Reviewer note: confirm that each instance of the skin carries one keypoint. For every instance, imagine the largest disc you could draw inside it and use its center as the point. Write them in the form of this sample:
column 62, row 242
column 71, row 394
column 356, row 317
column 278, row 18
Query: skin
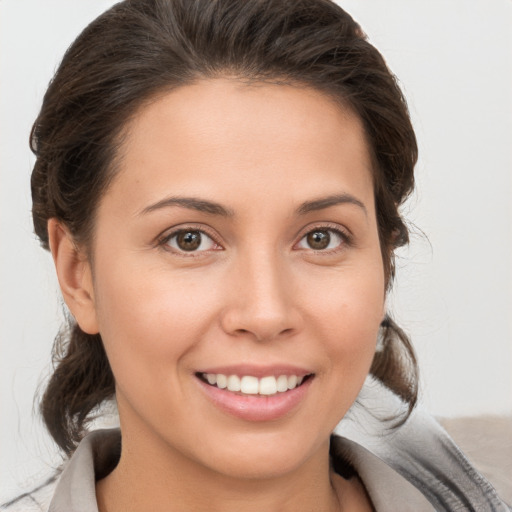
column 257, row 294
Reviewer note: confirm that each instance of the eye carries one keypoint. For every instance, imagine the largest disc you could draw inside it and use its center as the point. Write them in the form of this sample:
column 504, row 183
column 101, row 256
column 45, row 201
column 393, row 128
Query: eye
column 190, row 240
column 321, row 239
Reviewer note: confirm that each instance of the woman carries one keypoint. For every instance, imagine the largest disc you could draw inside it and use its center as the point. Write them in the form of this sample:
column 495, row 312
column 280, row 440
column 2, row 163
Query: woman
column 219, row 183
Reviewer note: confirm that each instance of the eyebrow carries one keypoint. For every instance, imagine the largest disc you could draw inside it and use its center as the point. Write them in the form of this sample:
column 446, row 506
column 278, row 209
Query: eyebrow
column 192, row 203
column 213, row 208
column 326, row 202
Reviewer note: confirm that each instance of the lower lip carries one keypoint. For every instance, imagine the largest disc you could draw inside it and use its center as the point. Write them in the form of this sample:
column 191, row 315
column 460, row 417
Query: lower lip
column 256, row 407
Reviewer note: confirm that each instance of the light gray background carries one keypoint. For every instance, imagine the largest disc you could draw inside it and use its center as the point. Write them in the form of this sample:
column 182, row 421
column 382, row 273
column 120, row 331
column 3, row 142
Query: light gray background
column 453, row 295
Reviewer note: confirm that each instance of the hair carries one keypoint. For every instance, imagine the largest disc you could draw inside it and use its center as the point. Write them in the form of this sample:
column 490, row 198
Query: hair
column 142, row 48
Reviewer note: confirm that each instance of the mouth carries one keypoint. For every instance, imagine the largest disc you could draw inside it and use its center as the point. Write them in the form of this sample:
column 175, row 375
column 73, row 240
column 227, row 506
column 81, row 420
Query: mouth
column 249, row 385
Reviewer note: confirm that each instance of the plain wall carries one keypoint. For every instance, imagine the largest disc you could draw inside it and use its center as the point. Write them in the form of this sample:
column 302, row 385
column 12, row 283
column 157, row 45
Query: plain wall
column 453, row 293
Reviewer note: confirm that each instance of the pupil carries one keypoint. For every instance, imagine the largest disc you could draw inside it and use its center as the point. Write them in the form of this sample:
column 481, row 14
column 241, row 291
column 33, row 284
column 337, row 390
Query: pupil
column 319, row 239
column 189, row 240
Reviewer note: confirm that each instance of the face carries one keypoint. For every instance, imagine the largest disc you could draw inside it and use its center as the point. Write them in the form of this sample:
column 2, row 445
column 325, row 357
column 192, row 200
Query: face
column 238, row 283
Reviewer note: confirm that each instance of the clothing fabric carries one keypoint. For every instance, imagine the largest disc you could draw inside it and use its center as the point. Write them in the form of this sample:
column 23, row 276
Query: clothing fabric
column 413, row 468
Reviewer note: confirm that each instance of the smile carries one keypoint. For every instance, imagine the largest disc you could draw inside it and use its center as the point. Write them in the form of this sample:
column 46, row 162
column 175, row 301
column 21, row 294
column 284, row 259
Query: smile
column 250, row 385
column 256, row 393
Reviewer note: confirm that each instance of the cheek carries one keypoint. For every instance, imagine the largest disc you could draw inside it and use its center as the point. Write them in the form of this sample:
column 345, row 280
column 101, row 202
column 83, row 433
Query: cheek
column 349, row 315
column 148, row 318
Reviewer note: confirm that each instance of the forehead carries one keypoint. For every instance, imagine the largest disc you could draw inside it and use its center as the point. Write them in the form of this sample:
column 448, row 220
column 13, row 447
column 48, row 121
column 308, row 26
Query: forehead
column 221, row 136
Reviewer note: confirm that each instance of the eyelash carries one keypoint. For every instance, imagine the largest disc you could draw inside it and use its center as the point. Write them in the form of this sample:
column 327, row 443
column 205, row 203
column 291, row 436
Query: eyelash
column 163, row 241
column 346, row 239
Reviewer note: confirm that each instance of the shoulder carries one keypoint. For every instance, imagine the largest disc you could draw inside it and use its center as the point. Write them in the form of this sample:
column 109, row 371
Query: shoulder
column 72, row 489
column 36, row 500
column 419, row 452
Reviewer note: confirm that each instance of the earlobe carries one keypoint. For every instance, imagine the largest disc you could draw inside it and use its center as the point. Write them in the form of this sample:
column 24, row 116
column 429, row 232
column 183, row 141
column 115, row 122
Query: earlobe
column 74, row 275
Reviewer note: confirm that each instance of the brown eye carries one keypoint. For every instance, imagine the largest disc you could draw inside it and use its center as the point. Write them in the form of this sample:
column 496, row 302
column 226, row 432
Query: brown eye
column 318, row 240
column 323, row 239
column 190, row 240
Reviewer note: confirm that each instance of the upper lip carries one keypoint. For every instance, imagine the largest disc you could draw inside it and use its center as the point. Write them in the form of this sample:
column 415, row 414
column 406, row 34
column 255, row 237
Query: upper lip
column 257, row 370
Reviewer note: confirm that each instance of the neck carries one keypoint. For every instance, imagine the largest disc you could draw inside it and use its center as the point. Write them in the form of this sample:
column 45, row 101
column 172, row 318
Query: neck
column 152, row 476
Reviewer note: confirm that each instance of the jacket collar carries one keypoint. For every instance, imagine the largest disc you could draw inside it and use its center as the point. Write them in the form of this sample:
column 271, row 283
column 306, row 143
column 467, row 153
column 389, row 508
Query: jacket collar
column 99, row 451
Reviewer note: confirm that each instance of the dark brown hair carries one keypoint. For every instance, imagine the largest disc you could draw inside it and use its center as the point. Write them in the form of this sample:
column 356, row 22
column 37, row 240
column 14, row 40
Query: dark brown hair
column 141, row 48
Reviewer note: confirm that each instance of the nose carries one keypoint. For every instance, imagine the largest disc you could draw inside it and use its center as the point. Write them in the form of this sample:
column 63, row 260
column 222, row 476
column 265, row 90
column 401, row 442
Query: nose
column 262, row 302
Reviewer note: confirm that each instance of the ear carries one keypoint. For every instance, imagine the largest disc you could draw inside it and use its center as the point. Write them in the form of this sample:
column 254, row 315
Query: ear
column 75, row 276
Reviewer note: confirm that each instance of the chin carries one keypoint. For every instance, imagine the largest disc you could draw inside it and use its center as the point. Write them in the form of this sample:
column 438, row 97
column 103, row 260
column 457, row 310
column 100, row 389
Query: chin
column 264, row 456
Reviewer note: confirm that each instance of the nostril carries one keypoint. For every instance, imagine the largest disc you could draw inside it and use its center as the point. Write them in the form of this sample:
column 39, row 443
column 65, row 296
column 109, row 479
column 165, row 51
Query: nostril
column 267, row 323
column 261, row 334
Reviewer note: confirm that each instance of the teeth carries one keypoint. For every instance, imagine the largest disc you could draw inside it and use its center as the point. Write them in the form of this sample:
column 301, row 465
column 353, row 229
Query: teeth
column 292, row 381
column 282, row 383
column 250, row 385
column 234, row 383
column 222, row 381
column 268, row 386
